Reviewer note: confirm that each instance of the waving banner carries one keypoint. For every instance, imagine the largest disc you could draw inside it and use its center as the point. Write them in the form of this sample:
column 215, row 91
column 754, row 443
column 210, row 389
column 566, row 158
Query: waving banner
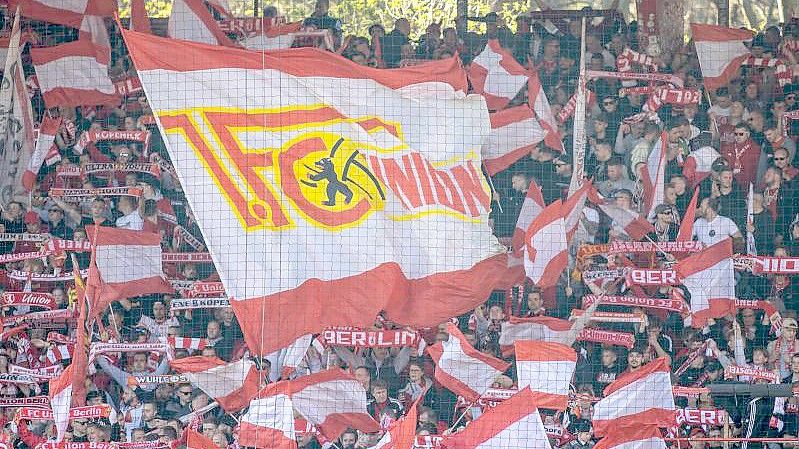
column 324, row 190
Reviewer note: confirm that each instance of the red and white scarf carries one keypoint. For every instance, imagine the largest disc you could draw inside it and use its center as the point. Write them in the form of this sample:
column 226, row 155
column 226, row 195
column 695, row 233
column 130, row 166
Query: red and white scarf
column 628, row 57
column 782, row 72
column 671, row 95
column 92, row 137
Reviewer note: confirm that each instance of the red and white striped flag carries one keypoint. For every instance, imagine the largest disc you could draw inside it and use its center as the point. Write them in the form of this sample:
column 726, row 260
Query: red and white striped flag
column 573, row 208
column 331, row 400
column 546, row 251
column 196, row 440
column 686, row 232
column 404, row 166
column 402, row 433
column 139, row 21
column 276, row 37
column 42, row 151
column 190, row 20
column 539, row 328
column 124, row 264
column 66, row 12
column 194, row 344
column 514, row 132
column 720, row 51
column 547, row 368
column 514, row 423
column 61, row 401
column 699, row 164
column 497, row 75
column 634, row 437
column 641, row 397
column 230, row 384
column 710, row 278
column 58, row 353
column 531, row 208
column 633, row 224
column 74, row 74
column 537, row 99
column 653, row 176
column 269, row 422
column 461, row 368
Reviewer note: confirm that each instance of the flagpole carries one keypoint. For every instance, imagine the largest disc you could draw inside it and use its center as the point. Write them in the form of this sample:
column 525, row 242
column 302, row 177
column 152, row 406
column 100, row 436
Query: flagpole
column 465, row 411
column 494, row 190
column 579, row 137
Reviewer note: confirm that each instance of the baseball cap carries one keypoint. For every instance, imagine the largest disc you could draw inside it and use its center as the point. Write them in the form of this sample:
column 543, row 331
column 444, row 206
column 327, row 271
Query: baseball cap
column 31, row 217
column 789, row 323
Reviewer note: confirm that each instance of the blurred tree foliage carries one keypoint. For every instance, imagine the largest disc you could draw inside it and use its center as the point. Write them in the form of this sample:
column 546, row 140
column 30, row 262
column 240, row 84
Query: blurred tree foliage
column 358, row 15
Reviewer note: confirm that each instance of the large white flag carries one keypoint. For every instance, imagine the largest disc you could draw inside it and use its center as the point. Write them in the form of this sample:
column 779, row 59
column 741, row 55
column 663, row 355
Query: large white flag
column 16, row 122
column 327, row 191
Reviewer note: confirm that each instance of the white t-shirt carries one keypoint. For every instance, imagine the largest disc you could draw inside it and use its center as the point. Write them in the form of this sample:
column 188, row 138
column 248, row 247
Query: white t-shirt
column 715, row 231
column 132, row 221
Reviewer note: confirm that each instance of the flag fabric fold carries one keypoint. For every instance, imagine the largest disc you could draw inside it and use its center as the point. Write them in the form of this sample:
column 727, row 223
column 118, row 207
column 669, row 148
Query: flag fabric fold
column 514, row 132
column 345, row 175
column 546, row 250
column 540, row 328
column 402, row 433
column 231, row 384
column 637, row 398
column 709, row 277
column 686, row 231
column 547, row 368
column 538, row 101
column 139, row 21
column 42, row 151
column 190, row 20
column 461, row 368
column 61, row 401
column 331, row 400
column 720, row 51
column 268, row 423
column 497, row 75
column 634, row 437
column 124, row 264
column 653, row 176
column 531, row 208
column 513, row 424
column 74, row 74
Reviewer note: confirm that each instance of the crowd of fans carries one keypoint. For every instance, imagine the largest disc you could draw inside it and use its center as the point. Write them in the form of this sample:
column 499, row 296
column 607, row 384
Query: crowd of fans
column 744, row 130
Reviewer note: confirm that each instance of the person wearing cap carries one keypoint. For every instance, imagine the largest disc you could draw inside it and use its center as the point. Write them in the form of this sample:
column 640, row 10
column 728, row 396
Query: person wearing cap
column 33, row 225
column 782, row 349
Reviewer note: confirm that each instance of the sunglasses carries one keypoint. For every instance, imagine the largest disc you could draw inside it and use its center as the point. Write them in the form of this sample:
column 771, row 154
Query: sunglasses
column 740, row 134
column 608, row 103
column 779, row 158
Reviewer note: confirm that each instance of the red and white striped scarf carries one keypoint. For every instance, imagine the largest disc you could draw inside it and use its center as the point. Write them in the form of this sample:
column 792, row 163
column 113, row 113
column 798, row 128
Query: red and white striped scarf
column 58, row 353
column 628, row 57
column 782, row 72
column 196, row 344
column 568, row 109
column 666, row 95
